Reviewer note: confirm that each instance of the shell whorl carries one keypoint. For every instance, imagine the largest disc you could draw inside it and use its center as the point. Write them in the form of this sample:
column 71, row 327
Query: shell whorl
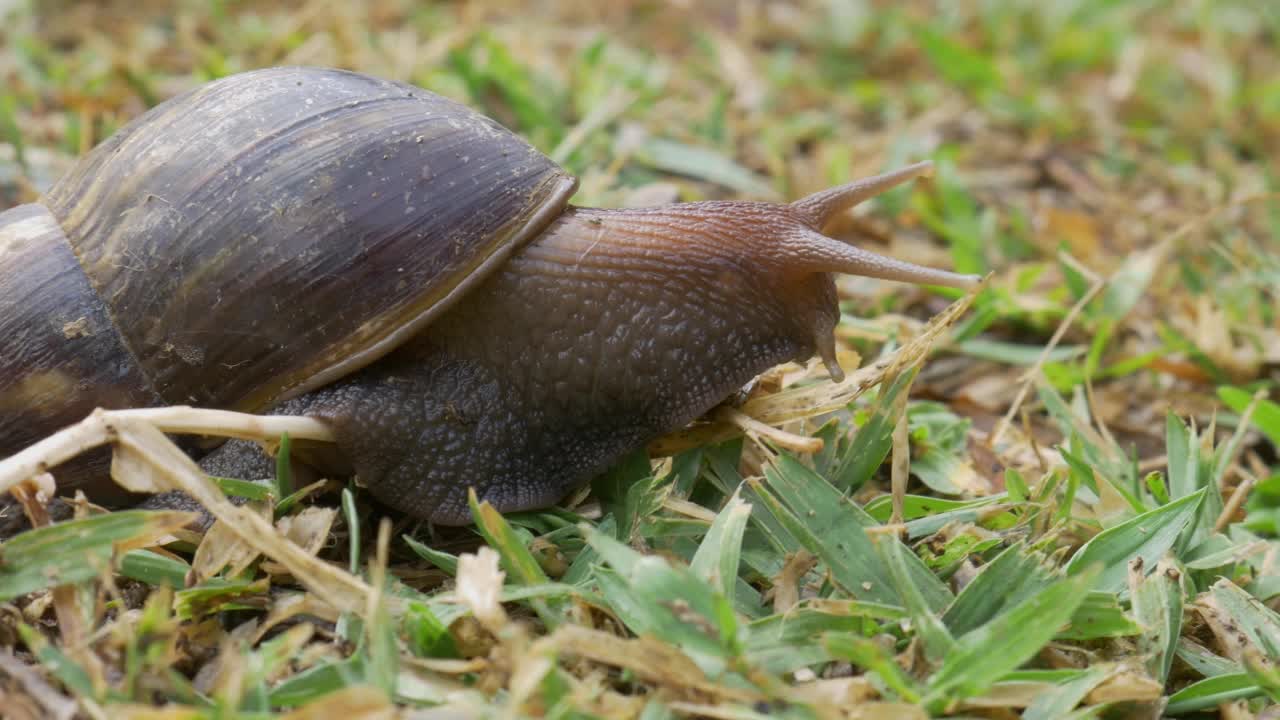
column 274, row 230
column 60, row 356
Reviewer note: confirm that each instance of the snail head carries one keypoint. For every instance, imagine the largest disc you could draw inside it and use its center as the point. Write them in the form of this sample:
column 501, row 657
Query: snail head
column 783, row 246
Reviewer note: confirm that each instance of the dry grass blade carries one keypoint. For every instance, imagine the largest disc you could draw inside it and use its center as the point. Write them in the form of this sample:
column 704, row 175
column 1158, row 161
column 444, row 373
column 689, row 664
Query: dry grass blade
column 38, row 699
column 649, row 658
column 309, row 529
column 101, row 428
column 359, row 702
column 1032, row 374
column 899, row 464
column 66, row 599
column 337, row 587
column 781, row 438
column 150, row 457
column 480, row 586
column 222, row 549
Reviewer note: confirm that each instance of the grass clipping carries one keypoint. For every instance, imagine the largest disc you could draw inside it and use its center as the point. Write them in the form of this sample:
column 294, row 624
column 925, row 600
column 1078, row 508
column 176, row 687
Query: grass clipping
column 146, row 461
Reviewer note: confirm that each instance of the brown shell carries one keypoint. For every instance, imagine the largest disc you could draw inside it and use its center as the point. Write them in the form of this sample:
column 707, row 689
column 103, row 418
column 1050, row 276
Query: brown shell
column 60, row 357
column 58, row 342
column 274, row 230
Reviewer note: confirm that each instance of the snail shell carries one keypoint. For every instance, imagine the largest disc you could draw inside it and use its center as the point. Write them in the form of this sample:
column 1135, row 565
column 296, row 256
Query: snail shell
column 254, row 238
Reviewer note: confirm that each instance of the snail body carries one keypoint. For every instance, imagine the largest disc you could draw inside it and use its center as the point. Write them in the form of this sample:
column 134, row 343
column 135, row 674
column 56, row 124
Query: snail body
column 320, row 242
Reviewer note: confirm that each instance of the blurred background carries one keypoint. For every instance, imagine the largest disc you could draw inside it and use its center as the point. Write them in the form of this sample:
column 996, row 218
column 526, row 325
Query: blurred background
column 1111, row 165
column 1120, row 148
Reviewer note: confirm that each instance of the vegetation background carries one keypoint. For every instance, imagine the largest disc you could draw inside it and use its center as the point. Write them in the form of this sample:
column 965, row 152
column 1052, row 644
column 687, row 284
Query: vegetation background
column 1084, row 452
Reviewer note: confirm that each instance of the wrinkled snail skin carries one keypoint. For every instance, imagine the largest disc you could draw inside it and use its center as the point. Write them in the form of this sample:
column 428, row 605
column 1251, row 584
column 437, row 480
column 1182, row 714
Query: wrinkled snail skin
column 319, row 242
column 610, row 329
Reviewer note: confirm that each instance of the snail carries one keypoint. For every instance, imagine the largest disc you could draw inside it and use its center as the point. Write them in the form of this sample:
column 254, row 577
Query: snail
column 322, row 242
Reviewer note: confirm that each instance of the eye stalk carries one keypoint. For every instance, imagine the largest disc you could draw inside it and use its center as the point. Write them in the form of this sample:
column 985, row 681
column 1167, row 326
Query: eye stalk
column 807, row 249
column 824, row 205
column 815, row 251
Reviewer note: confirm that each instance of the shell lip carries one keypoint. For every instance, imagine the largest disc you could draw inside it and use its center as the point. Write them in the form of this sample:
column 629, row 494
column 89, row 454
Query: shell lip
column 554, row 202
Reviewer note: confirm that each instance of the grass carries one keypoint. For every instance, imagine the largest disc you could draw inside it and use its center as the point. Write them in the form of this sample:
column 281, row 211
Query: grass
column 1060, row 498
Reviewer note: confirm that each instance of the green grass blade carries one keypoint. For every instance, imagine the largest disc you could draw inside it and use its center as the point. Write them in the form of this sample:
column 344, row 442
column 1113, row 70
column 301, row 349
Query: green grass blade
column 352, row 515
column 1148, row 536
column 654, row 597
column 717, row 558
column 441, row 559
column 319, row 680
column 247, row 489
column 426, row 634
column 1008, row 579
column 1157, row 606
column 873, row 658
column 621, row 490
column 1266, row 416
column 873, row 441
column 154, row 569
column 580, row 570
column 1204, row 661
column 58, row 663
column 1100, row 616
column 1014, row 353
column 1259, row 623
column 984, row 655
column 940, row 448
column 1183, row 453
column 788, row 641
column 218, row 595
column 849, row 557
column 77, row 550
column 1066, row 696
column 834, row 528
column 702, row 163
column 938, row 642
column 521, row 566
column 1212, row 692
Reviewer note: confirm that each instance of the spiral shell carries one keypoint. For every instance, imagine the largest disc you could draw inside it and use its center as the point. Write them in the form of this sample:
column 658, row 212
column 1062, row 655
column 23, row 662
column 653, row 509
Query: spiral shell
column 267, row 233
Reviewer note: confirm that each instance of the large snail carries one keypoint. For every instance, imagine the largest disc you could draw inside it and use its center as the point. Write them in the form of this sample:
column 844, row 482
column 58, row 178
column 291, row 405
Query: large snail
column 322, row 242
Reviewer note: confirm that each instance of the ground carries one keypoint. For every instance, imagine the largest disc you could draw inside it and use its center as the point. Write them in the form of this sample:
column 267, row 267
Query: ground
column 1058, row 496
